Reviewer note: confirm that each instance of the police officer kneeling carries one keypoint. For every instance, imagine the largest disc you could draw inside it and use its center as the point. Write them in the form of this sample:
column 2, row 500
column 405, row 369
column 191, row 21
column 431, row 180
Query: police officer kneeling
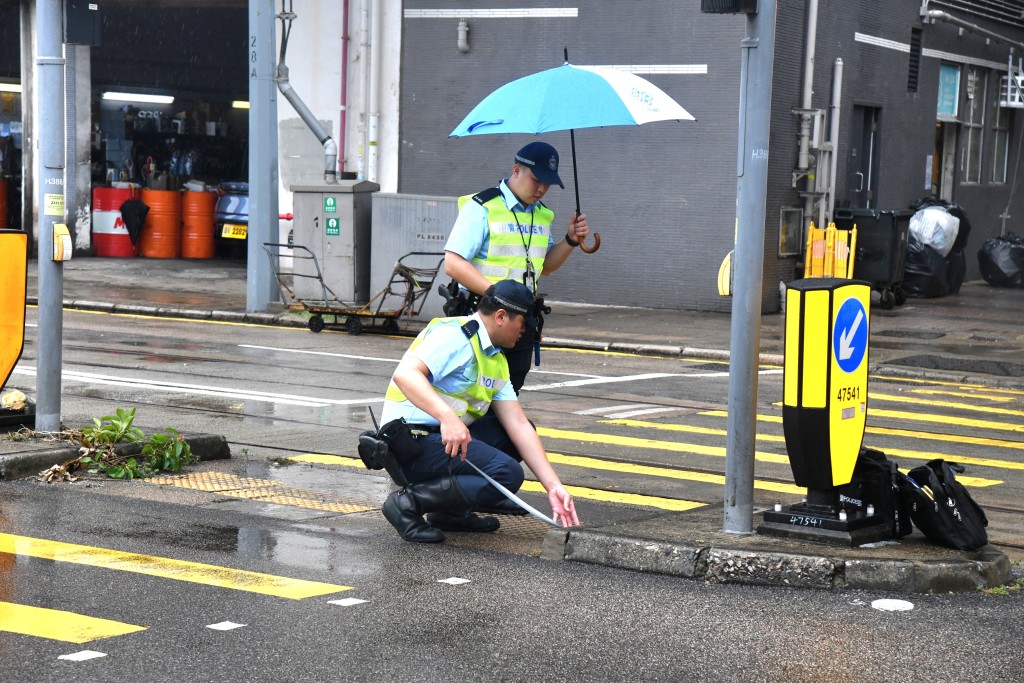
column 452, row 389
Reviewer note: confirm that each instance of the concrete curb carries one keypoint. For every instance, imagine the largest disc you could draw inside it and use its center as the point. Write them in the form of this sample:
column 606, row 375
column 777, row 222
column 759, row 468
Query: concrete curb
column 984, row 568
column 31, row 462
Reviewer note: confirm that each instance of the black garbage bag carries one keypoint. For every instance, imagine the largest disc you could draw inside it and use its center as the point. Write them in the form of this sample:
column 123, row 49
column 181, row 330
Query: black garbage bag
column 927, row 274
column 1001, row 260
column 133, row 213
column 956, row 269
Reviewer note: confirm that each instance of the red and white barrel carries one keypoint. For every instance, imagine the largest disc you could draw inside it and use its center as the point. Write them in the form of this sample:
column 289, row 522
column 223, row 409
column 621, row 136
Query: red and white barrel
column 109, row 234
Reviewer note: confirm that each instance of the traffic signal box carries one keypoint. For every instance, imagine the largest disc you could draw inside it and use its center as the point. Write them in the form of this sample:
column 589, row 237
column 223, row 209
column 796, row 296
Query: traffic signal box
column 13, row 282
column 825, row 399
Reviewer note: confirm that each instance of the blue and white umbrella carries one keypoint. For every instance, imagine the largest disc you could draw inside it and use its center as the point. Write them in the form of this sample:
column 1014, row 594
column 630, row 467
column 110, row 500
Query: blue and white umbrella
column 569, row 97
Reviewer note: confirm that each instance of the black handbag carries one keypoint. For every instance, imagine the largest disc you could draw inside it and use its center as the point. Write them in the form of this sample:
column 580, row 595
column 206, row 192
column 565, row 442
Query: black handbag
column 943, row 509
column 876, row 482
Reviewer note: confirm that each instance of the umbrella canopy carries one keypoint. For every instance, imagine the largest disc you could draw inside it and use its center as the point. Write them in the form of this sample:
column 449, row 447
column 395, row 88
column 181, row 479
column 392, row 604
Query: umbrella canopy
column 569, row 97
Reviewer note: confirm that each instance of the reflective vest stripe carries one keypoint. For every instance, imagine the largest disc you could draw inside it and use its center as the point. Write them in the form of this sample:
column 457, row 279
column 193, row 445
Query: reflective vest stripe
column 513, row 237
column 475, row 400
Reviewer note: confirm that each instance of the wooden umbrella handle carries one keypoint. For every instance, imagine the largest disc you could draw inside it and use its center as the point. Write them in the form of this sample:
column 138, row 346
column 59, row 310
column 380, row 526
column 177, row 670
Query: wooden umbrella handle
column 597, row 244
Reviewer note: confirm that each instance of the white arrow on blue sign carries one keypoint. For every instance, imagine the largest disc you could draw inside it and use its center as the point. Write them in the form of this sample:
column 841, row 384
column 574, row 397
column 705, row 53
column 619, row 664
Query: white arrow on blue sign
column 850, row 335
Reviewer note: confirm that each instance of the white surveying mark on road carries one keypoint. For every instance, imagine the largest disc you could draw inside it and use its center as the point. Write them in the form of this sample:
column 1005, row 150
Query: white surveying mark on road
column 82, row 656
column 346, row 602
column 225, row 626
column 453, row 581
column 892, row 605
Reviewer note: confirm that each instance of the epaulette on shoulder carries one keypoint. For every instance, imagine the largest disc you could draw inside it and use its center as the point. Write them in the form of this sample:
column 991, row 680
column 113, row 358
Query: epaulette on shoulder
column 470, row 328
column 484, row 196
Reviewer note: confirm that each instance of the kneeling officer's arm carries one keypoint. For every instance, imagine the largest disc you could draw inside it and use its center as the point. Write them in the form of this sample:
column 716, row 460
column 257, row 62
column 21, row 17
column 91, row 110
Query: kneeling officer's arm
column 411, row 377
column 525, row 438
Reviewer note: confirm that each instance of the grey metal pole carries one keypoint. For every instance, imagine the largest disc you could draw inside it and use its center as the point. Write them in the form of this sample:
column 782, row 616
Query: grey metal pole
column 261, row 287
column 757, row 56
column 50, row 126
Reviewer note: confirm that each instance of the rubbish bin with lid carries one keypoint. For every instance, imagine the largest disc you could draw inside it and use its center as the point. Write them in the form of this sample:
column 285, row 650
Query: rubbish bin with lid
column 881, row 254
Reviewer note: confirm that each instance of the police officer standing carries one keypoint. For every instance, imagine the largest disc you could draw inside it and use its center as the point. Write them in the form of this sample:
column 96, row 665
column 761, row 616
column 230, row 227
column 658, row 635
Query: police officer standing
column 504, row 232
column 452, row 397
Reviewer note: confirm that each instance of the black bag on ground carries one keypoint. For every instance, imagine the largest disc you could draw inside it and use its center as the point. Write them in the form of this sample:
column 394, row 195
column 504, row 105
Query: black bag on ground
column 943, row 509
column 876, row 481
column 1001, row 261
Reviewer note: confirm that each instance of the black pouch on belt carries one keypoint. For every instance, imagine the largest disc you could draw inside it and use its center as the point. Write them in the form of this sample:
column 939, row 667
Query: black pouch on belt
column 399, row 437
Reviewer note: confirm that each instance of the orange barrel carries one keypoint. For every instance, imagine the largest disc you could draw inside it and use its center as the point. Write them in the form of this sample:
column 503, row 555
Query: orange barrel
column 3, row 204
column 161, row 233
column 109, row 234
column 197, row 224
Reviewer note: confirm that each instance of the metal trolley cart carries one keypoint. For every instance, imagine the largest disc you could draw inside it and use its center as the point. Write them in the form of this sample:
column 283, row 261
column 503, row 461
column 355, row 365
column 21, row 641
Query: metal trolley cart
column 404, row 294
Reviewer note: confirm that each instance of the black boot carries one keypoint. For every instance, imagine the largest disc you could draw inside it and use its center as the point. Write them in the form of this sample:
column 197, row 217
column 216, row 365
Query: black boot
column 446, row 520
column 405, row 508
column 502, row 507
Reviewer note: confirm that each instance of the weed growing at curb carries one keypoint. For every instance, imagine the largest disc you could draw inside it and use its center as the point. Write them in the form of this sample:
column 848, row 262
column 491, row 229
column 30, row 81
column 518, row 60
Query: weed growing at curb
column 161, row 452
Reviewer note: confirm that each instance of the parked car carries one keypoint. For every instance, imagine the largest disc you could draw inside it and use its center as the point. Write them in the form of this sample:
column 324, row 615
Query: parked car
column 231, row 221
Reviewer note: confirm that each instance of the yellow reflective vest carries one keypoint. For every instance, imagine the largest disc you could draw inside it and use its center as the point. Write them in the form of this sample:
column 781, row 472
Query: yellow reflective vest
column 513, row 236
column 474, row 399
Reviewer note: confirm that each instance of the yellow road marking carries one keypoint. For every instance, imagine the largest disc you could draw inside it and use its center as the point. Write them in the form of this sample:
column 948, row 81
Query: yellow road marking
column 325, row 459
column 946, row 404
column 961, row 385
column 633, row 442
column 167, row 568
column 916, row 455
column 667, row 472
column 903, row 415
column 55, row 624
column 673, row 504
column 962, row 394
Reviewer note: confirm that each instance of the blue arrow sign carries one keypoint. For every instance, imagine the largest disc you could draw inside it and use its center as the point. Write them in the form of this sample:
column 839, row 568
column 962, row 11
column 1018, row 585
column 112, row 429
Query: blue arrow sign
column 850, row 335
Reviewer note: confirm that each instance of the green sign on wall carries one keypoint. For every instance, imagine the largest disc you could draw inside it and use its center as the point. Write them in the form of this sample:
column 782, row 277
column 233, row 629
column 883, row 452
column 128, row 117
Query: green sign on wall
column 330, row 205
column 333, row 227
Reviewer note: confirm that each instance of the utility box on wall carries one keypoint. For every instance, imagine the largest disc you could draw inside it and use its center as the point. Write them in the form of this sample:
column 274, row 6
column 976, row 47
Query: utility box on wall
column 334, row 222
column 411, row 224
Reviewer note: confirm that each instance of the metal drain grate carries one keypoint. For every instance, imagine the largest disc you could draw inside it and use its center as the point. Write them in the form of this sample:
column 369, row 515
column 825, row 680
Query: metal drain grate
column 966, row 365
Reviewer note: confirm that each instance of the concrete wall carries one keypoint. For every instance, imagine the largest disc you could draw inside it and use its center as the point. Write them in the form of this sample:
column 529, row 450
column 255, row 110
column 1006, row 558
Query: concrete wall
column 661, row 195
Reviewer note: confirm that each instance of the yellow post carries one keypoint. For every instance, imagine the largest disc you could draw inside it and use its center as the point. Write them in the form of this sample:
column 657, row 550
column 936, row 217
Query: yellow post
column 809, row 250
column 830, row 250
column 853, row 251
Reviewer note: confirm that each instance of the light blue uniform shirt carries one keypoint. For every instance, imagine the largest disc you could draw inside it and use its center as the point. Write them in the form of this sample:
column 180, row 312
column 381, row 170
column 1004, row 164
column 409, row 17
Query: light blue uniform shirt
column 471, row 234
column 448, row 355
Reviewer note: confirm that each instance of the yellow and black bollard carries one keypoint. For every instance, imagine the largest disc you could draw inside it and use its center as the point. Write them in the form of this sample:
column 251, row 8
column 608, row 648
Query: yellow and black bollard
column 825, row 400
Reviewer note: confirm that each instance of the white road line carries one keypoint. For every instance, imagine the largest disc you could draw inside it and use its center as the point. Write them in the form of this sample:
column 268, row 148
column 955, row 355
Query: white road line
column 601, row 380
column 205, row 390
column 602, row 409
column 634, row 413
column 317, row 353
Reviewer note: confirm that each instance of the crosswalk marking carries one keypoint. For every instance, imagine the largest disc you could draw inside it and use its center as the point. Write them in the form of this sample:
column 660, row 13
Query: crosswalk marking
column 54, row 624
column 945, row 404
column 917, row 417
column 581, row 492
column 168, row 568
column 635, row 442
column 666, row 472
column 914, row 455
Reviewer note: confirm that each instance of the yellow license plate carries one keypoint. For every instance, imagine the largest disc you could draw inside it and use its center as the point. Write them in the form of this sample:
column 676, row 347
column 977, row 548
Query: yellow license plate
column 234, row 231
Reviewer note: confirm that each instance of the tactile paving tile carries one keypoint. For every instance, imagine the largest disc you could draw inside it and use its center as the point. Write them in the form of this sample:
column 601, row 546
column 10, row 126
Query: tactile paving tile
column 262, row 490
column 210, row 481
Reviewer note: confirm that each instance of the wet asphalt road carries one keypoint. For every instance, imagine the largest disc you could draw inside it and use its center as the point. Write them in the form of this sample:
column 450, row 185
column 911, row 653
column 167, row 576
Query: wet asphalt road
column 277, row 392
column 517, row 619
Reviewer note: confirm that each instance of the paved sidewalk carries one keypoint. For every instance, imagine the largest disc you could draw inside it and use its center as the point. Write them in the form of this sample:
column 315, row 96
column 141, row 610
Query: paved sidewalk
column 975, row 336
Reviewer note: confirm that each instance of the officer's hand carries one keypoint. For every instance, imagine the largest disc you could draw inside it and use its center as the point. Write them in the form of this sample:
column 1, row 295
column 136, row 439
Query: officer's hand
column 455, row 437
column 563, row 507
column 578, row 229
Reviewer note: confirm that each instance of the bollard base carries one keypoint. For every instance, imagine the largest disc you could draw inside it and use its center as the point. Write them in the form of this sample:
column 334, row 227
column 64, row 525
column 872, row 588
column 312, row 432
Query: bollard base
column 821, row 523
column 25, row 417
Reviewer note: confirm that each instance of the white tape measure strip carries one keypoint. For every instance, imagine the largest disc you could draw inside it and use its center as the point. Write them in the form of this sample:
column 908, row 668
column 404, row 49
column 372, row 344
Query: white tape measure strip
column 514, row 498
